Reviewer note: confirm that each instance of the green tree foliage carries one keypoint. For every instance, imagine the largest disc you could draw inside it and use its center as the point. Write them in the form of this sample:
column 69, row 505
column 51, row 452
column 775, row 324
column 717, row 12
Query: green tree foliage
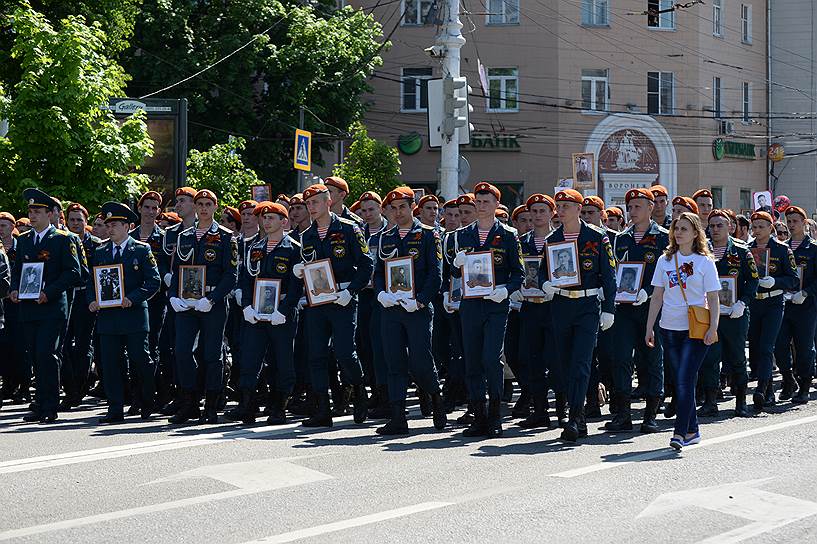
column 313, row 55
column 222, row 170
column 59, row 139
column 370, row 165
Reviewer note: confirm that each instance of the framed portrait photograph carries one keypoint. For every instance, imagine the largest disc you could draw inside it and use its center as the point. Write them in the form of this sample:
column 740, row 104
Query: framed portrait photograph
column 584, row 171
column 109, row 285
column 563, row 264
column 762, row 201
column 261, row 193
column 400, row 277
column 454, row 293
column 761, row 255
column 530, row 281
column 192, row 282
column 266, row 296
column 418, row 194
column 478, row 275
column 31, row 281
column 728, row 293
column 319, row 281
column 629, row 276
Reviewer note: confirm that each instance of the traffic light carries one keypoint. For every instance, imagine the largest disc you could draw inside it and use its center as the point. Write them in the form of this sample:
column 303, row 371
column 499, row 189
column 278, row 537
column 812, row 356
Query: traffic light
column 456, row 108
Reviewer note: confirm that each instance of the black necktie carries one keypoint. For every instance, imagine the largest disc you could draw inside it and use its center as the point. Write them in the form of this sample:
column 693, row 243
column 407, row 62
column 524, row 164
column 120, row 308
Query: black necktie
column 116, row 250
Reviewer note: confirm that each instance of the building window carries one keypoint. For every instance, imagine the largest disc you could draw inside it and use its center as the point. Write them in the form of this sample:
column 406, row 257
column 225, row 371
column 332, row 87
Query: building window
column 745, row 200
column 503, row 89
column 717, row 197
column 717, row 17
column 660, row 93
column 747, row 103
column 746, row 23
column 594, row 90
column 595, row 12
column 716, row 97
column 661, row 14
column 414, row 89
column 503, row 12
column 416, row 12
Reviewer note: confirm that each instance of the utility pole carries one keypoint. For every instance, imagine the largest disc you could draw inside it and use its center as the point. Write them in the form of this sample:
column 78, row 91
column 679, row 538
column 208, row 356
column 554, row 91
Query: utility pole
column 450, row 40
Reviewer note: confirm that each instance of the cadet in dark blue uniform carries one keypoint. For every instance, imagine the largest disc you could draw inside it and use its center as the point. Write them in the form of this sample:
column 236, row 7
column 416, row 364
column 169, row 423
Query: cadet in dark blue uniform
column 732, row 259
column 766, row 310
column 212, row 246
column 800, row 318
column 644, row 241
column 484, row 319
column 271, row 256
column 454, row 391
column 342, row 242
column 124, row 328
column 575, row 309
column 338, row 191
column 659, row 211
column 407, row 314
column 43, row 317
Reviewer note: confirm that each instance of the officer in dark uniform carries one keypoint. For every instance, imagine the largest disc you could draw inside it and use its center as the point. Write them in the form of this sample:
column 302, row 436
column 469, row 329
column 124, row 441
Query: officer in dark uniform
column 406, row 321
column 125, row 328
column 766, row 310
column 43, row 319
column 212, row 246
column 575, row 309
column 342, row 242
column 484, row 319
column 800, row 317
column 644, row 241
column 270, row 256
column 736, row 261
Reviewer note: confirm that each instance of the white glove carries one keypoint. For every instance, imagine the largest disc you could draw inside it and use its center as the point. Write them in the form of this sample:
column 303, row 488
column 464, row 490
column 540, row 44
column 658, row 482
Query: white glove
column 409, row 304
column 737, row 310
column 498, row 295
column 167, row 278
column 601, row 295
column 277, row 318
column 250, row 315
column 386, row 300
column 548, row 297
column 344, row 298
column 298, row 270
column 516, row 296
column 641, row 298
column 447, row 304
column 607, row 320
column 178, row 305
column 548, row 288
column 302, row 303
column 767, row 282
column 238, row 296
column 204, row 305
column 799, row 297
column 459, row 259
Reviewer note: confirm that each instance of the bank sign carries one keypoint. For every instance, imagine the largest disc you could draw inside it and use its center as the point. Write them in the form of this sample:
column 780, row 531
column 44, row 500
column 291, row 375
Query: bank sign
column 493, row 142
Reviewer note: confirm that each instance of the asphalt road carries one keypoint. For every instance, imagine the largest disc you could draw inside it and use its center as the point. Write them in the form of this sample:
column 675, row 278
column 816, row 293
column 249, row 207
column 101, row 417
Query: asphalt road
column 750, row 480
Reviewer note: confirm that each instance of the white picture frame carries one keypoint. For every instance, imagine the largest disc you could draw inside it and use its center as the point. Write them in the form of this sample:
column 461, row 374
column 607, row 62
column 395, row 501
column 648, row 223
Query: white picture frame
column 762, row 201
column 530, row 277
column 629, row 278
column 563, row 264
column 109, row 285
column 478, row 275
column 31, row 281
column 728, row 293
column 266, row 297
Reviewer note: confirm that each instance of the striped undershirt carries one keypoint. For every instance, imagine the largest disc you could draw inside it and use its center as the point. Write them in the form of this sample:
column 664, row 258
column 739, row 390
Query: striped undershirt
column 143, row 236
column 795, row 244
column 483, row 235
column 539, row 242
column 571, row 237
column 271, row 244
column 638, row 236
column 718, row 252
column 761, row 246
column 322, row 232
column 403, row 232
column 200, row 233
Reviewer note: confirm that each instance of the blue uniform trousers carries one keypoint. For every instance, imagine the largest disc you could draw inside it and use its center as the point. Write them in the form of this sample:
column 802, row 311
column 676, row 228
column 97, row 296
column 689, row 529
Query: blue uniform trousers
column 336, row 323
column 142, row 368
column 483, row 332
column 79, row 348
column 42, row 340
column 210, row 328
column 375, row 331
column 273, row 344
column 575, row 326
column 456, row 365
column 512, row 352
column 300, row 357
column 729, row 350
column 536, row 341
column 797, row 328
column 440, row 337
column 363, row 339
column 764, row 326
column 409, row 339
column 627, row 336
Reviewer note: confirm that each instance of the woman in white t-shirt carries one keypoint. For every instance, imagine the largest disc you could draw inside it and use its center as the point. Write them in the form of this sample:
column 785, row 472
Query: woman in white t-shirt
column 696, row 272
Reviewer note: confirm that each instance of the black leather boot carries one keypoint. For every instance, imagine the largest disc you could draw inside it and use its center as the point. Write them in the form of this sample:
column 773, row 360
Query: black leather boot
column 740, row 402
column 759, row 397
column 494, row 419
column 307, row 407
column 523, row 404
column 576, row 427
column 382, row 410
column 789, row 385
column 468, row 417
column 397, row 425
column 425, row 402
column 770, row 399
column 478, row 427
column 438, row 411
column 360, row 403
column 591, row 406
column 340, row 400
column 245, row 411
column 210, row 414
column 277, row 408
column 561, row 409
column 539, row 418
column 649, row 425
column 623, row 420
column 188, row 408
column 710, row 405
column 803, row 391
column 322, row 416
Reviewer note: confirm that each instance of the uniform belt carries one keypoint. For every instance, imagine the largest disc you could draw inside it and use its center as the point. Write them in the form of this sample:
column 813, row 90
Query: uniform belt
column 770, row 294
column 344, row 285
column 210, row 289
column 536, row 300
column 578, row 294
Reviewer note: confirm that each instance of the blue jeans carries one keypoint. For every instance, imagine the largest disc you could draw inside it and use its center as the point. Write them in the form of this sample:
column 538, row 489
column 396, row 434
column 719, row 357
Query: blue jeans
column 685, row 357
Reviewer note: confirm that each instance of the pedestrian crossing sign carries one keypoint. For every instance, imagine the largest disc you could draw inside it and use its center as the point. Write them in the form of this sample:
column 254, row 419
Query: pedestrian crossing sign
column 303, row 150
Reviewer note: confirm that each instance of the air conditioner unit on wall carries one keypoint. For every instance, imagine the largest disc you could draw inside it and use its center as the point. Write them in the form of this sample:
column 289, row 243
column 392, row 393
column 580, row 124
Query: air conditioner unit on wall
column 726, row 128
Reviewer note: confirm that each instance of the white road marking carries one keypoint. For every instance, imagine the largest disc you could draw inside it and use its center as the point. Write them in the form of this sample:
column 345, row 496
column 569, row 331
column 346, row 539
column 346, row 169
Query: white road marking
column 249, row 477
column 299, row 534
column 635, row 458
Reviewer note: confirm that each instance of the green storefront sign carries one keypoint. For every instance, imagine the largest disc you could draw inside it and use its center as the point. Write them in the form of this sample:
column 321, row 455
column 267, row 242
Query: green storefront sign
column 737, row 150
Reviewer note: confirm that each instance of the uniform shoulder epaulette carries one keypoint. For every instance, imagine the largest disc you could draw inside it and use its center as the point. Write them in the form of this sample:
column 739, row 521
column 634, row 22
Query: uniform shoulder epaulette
column 597, row 229
column 191, row 228
column 509, row 228
column 224, row 230
column 62, row 232
column 95, row 239
column 105, row 245
column 348, row 221
column 426, row 227
column 661, row 229
column 140, row 243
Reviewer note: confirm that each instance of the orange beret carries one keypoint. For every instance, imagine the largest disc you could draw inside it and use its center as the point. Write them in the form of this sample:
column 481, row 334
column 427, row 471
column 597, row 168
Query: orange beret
column 501, row 213
column 283, row 197
column 485, row 187
column 23, row 221
column 539, row 198
column 313, row 190
column 77, row 207
column 400, row 193
column 370, row 195
column 796, row 210
column 8, row 217
column 297, row 199
column 614, row 210
column 186, row 191
column 335, row 181
column 271, row 207
column 416, row 211
column 659, row 190
column 686, row 202
column 569, row 195
column 208, row 194
column 172, row 217
column 427, row 198
column 247, row 204
column 719, row 213
column 150, row 195
column 594, row 201
column 519, row 209
column 639, row 193
column 89, row 228
column 451, row 203
column 467, row 198
column 701, row 193
column 232, row 212
column 355, row 206
column 765, row 216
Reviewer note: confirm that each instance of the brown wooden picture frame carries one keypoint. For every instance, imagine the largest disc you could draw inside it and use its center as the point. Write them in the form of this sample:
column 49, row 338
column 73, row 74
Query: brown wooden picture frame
column 476, row 290
column 582, row 185
column 117, row 302
column 527, row 291
column 627, row 297
column 186, row 269
column 400, row 262
column 322, row 297
column 555, row 280
column 258, row 286
column 255, row 189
